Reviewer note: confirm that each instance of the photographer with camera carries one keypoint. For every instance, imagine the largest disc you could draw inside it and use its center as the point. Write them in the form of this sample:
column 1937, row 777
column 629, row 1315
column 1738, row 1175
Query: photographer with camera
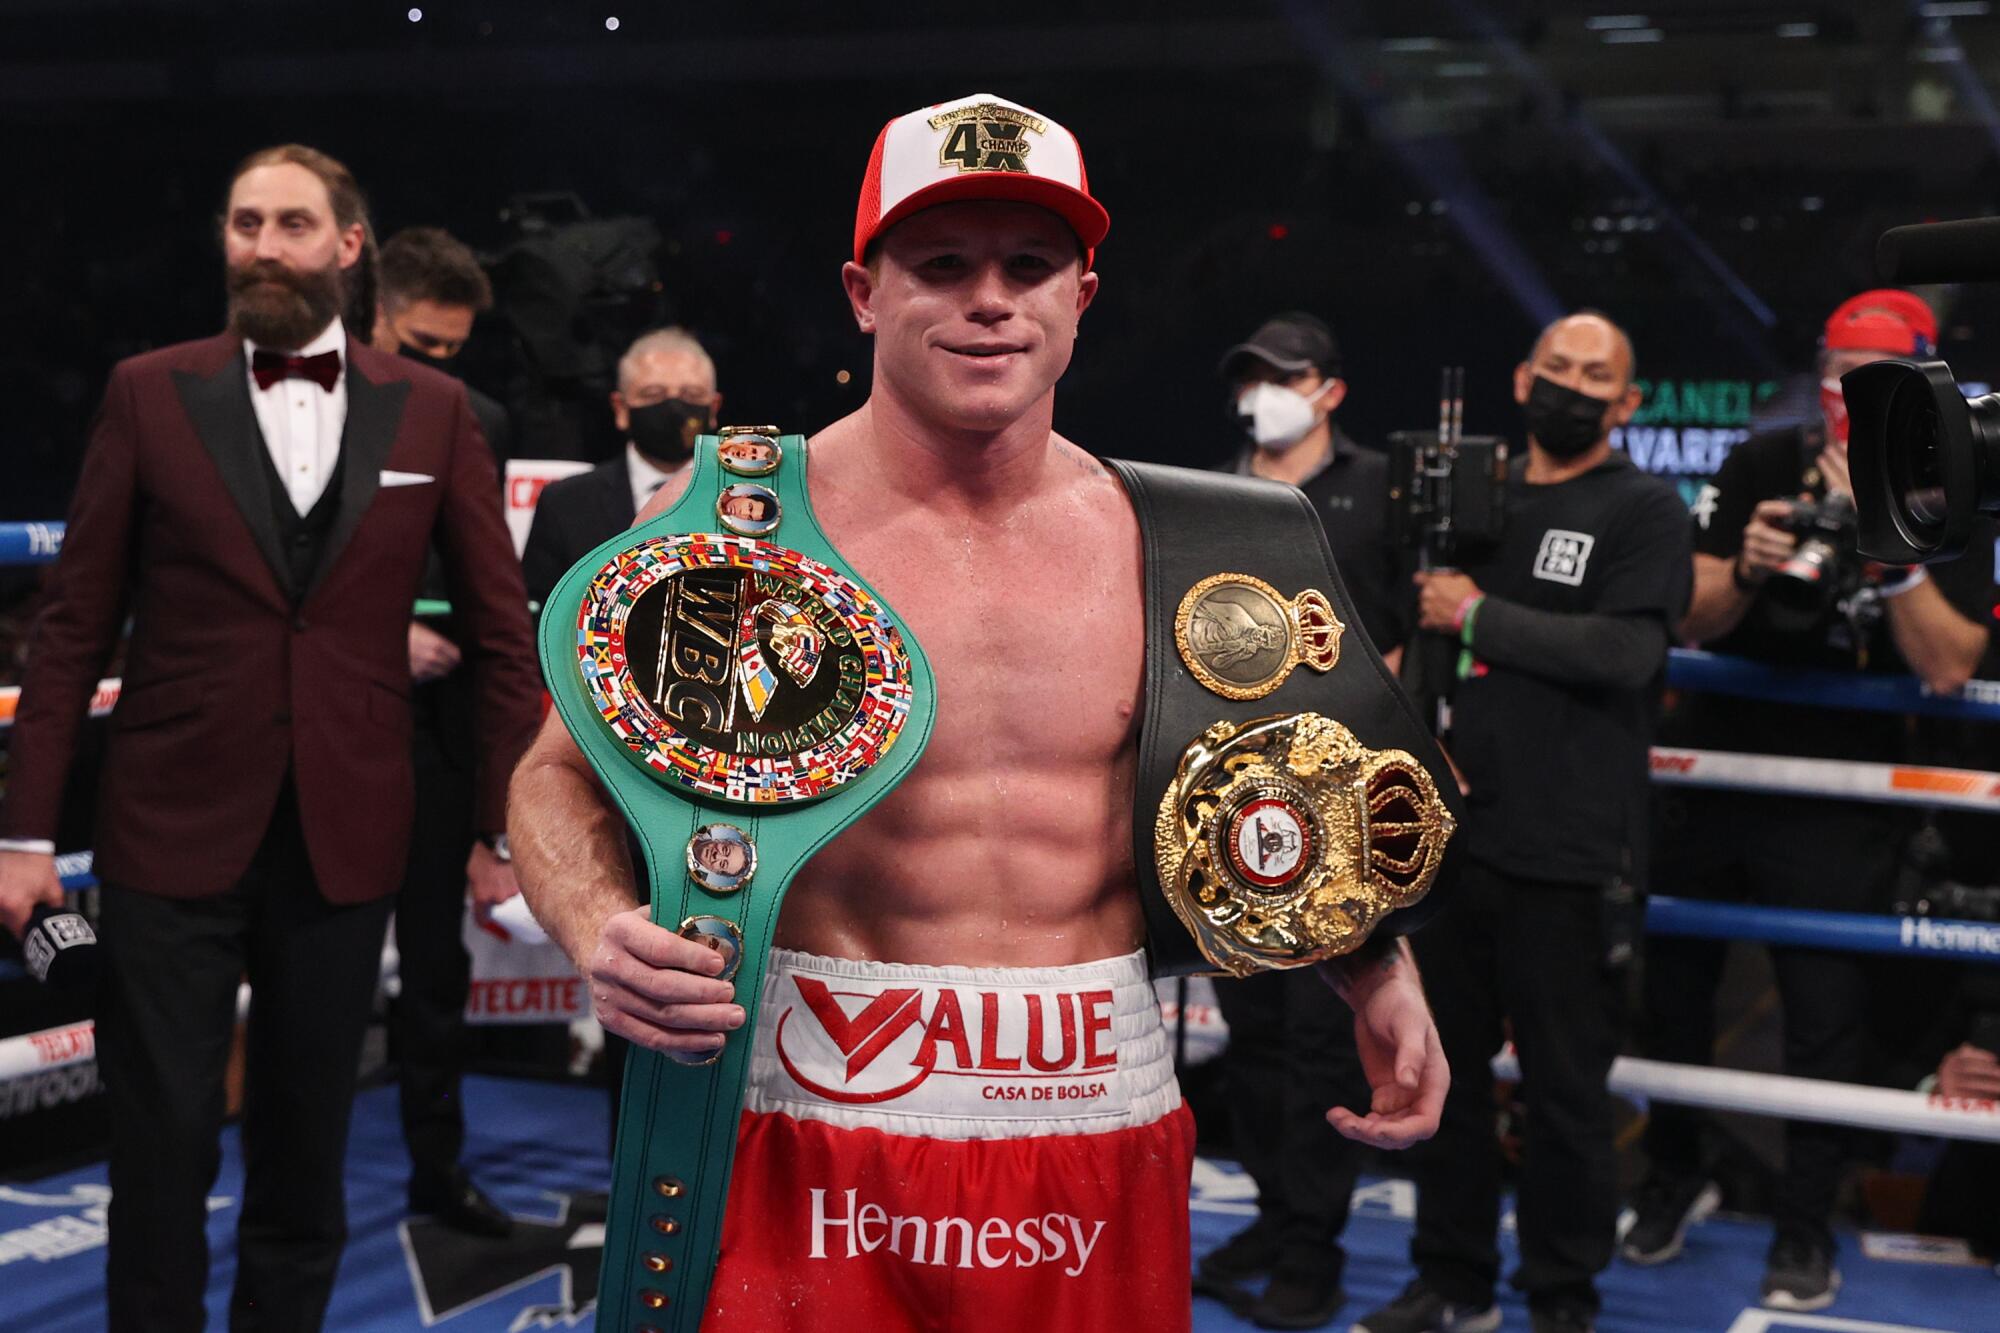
column 1563, row 626
column 1291, row 1050
column 1778, row 579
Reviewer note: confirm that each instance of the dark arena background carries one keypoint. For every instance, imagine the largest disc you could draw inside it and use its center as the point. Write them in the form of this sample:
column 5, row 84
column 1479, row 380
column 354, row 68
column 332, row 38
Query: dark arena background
column 1438, row 179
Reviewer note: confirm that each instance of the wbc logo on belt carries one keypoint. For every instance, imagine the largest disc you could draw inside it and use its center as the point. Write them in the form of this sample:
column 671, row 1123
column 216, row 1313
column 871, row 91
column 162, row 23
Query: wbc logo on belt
column 741, row 670
column 877, row 1045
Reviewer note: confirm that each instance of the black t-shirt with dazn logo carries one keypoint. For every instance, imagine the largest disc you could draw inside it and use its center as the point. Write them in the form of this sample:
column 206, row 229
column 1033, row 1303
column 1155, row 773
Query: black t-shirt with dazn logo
column 1558, row 771
column 1783, row 464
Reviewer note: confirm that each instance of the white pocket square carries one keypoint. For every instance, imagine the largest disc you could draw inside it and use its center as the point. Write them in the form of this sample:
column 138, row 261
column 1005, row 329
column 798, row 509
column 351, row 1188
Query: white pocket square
column 391, row 477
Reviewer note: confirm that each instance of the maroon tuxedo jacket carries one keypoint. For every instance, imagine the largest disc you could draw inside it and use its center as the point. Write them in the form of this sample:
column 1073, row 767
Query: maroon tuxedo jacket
column 230, row 680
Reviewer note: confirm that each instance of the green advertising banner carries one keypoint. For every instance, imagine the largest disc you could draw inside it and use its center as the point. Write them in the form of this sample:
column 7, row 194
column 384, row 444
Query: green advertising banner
column 1685, row 427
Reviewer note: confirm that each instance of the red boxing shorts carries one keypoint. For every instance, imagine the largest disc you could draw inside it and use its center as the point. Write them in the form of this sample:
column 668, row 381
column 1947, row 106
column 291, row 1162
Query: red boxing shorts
column 933, row 1148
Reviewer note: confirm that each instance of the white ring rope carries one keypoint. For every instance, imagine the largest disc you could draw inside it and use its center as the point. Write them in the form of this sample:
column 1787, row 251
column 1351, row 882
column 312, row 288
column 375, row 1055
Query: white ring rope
column 1837, row 779
column 1789, row 1098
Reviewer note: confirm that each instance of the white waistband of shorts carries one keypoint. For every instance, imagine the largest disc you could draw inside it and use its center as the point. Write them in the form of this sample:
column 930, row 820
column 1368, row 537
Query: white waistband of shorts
column 961, row 1052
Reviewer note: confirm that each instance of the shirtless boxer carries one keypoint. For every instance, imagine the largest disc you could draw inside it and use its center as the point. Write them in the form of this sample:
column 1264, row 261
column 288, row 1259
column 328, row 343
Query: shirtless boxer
column 1000, row 867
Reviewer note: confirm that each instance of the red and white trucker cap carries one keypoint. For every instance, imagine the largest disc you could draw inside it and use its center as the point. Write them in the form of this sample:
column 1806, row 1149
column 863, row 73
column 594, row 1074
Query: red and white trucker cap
column 978, row 147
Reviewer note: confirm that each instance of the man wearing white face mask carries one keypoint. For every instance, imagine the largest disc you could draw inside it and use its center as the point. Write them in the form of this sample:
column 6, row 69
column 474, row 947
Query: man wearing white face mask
column 1286, row 385
column 1291, row 1051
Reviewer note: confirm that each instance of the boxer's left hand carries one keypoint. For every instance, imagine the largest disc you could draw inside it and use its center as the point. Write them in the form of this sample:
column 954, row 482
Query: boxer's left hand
column 1400, row 1053
column 489, row 881
column 1441, row 592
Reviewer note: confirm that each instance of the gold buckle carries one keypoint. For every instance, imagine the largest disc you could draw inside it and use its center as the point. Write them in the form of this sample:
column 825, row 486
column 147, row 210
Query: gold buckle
column 1284, row 841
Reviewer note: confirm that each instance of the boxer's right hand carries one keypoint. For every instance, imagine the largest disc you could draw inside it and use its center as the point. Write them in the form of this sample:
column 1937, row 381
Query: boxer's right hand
column 657, row 990
column 27, row 880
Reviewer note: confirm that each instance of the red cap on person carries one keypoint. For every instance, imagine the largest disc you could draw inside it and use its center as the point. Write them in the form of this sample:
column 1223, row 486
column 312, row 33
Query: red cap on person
column 1896, row 323
column 977, row 147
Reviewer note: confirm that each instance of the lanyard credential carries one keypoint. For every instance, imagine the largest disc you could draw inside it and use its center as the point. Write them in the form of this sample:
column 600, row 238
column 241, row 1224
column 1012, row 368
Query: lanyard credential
column 744, row 697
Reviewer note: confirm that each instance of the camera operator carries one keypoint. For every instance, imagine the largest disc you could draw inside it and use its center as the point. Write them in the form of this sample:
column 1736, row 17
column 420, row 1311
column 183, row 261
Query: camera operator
column 1564, row 623
column 1778, row 580
column 1291, row 1050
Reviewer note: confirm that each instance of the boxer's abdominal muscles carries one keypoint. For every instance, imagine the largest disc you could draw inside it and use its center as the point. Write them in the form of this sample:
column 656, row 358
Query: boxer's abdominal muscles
column 1010, row 842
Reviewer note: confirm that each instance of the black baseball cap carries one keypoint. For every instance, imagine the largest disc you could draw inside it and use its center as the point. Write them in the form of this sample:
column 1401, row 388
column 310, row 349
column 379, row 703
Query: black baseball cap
column 1291, row 342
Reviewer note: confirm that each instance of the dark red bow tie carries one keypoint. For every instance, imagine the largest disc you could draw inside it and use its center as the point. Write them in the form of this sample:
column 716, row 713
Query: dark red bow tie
column 270, row 367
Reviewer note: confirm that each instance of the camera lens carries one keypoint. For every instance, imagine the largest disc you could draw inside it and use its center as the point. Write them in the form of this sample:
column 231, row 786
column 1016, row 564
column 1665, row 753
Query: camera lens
column 1916, row 465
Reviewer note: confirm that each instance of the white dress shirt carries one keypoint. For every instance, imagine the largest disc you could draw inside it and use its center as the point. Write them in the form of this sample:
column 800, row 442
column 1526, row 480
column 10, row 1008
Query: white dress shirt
column 302, row 422
column 645, row 475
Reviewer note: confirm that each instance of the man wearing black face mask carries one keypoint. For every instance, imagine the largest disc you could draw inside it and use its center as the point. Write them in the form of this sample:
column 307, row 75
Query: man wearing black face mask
column 666, row 396
column 1563, row 625
column 1291, row 1048
column 429, row 291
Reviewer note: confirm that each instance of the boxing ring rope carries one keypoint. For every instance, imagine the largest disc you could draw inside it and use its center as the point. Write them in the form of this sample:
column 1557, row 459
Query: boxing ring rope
column 37, row 1054
column 30, row 543
column 1831, row 779
column 1789, row 1098
column 1780, row 1095
column 1848, row 932
column 1693, row 669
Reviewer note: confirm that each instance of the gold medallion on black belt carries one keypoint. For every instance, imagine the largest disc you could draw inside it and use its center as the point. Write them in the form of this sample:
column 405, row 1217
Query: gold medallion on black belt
column 1241, row 637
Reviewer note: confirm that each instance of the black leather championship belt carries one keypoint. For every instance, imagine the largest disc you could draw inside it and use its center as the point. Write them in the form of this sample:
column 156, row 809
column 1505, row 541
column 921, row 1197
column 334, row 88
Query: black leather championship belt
column 1290, row 804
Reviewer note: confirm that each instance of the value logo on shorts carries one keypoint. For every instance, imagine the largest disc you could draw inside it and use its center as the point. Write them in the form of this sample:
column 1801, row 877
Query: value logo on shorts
column 1564, row 556
column 864, row 1047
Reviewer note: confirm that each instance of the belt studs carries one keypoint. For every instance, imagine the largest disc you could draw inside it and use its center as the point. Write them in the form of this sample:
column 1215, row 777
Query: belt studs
column 666, row 1226
column 653, row 1300
column 657, row 1263
column 669, row 1188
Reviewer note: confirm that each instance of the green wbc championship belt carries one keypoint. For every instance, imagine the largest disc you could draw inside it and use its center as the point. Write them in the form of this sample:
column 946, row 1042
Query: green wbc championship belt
column 744, row 697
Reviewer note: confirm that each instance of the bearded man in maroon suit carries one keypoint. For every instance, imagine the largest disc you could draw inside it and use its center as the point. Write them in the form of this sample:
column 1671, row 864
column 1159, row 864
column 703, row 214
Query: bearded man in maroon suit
column 259, row 504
